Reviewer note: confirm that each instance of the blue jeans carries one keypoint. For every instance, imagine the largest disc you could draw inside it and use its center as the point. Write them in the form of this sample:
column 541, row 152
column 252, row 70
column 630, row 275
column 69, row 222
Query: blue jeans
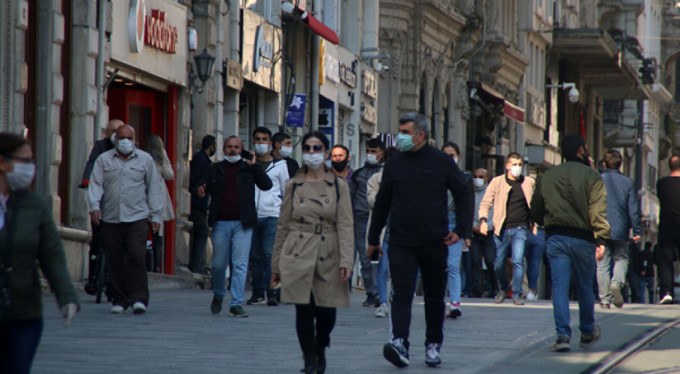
column 453, row 263
column 261, row 254
column 231, row 246
column 569, row 256
column 515, row 238
column 381, row 273
column 533, row 251
column 18, row 343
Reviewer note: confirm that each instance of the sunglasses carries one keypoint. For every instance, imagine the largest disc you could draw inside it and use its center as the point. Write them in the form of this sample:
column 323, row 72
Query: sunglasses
column 316, row 148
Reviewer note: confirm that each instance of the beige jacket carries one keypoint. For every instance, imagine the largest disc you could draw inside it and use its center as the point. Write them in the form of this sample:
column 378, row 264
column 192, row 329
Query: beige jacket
column 497, row 195
column 314, row 239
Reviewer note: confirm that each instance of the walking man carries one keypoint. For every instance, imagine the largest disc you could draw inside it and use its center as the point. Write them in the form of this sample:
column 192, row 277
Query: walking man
column 199, row 206
column 668, row 191
column 571, row 203
column 282, row 148
column 482, row 243
column 232, row 216
column 340, row 162
column 413, row 192
column 623, row 212
column 124, row 194
column 510, row 195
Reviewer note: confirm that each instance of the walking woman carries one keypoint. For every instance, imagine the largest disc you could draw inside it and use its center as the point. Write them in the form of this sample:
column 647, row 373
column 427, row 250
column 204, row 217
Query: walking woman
column 314, row 249
column 29, row 242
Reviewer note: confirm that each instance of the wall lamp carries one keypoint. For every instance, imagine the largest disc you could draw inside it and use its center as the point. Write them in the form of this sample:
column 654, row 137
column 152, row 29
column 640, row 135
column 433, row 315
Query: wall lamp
column 573, row 92
column 204, row 67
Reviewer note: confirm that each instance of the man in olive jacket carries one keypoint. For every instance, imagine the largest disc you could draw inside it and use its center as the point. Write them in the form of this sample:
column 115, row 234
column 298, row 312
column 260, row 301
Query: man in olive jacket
column 232, row 216
column 570, row 201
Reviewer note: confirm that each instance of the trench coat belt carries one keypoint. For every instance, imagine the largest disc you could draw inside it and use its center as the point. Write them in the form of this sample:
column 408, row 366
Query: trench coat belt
column 315, row 228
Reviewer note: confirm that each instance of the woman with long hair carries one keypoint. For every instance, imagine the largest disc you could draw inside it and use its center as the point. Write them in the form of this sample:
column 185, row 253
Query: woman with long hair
column 313, row 249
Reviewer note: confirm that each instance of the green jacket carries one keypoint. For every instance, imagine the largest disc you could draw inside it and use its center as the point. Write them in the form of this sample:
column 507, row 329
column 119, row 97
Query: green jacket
column 35, row 243
column 571, row 199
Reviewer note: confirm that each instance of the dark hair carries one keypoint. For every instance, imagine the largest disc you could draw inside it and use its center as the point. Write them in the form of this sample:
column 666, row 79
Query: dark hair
column 280, row 137
column 207, row 142
column 343, row 148
column 419, row 122
column 571, row 144
column 612, row 159
column 319, row 135
column 262, row 130
column 452, row 145
column 674, row 161
column 10, row 143
column 389, row 152
column 375, row 143
column 512, row 155
column 600, row 166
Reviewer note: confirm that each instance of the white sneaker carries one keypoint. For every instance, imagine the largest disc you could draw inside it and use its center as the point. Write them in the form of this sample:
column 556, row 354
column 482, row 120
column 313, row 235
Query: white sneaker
column 382, row 311
column 117, row 309
column 666, row 299
column 531, row 295
column 138, row 307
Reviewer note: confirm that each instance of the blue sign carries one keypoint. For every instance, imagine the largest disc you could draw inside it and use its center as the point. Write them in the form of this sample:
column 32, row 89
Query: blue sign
column 295, row 117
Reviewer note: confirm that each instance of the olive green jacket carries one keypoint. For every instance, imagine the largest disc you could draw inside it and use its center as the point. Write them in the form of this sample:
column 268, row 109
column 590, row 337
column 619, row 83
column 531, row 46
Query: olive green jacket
column 35, row 245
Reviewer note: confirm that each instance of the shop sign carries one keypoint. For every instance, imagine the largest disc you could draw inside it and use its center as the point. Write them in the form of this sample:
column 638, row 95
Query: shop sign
column 160, row 34
column 295, row 117
column 260, row 41
column 368, row 112
column 264, row 51
column 233, row 74
column 369, row 85
column 136, row 16
column 348, row 74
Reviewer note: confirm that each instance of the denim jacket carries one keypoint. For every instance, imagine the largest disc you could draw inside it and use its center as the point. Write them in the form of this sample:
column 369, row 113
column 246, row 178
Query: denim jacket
column 623, row 207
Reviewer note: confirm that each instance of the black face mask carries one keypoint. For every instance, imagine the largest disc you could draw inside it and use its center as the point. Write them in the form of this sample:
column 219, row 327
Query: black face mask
column 339, row 166
column 212, row 152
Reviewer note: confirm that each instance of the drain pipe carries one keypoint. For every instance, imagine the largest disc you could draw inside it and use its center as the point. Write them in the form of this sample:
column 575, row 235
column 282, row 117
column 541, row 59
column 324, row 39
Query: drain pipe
column 99, row 74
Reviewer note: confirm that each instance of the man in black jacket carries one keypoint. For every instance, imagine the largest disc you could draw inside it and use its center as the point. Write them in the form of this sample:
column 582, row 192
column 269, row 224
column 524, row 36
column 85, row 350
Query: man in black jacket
column 413, row 190
column 282, row 148
column 199, row 206
column 232, row 215
column 100, row 146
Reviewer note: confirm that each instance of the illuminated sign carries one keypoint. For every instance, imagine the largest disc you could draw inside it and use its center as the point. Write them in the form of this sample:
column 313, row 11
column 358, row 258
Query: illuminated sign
column 159, row 34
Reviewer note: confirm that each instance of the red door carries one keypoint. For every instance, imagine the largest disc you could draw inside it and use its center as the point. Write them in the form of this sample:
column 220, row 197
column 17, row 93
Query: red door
column 146, row 111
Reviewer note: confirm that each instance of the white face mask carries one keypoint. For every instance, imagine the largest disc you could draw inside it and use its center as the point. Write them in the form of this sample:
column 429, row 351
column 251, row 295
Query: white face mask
column 516, row 171
column 261, row 149
column 455, row 159
column 125, row 146
column 313, row 160
column 233, row 159
column 285, row 151
column 371, row 159
column 21, row 177
column 113, row 138
column 479, row 182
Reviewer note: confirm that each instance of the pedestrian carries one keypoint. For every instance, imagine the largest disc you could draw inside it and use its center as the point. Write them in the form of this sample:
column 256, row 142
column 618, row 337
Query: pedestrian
column 124, row 195
column 358, row 191
column 453, row 310
column 268, row 206
column 510, row 195
column 29, row 245
column 154, row 147
column 200, row 163
column 668, row 192
column 100, row 146
column 282, row 149
column 413, row 193
column 340, row 162
column 372, row 188
column 570, row 202
column 645, row 270
column 312, row 257
column 483, row 245
column 623, row 213
column 232, row 216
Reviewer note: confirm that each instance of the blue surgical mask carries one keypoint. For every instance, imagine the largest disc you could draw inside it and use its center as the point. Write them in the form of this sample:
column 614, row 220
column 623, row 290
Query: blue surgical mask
column 21, row 177
column 125, row 146
column 405, row 142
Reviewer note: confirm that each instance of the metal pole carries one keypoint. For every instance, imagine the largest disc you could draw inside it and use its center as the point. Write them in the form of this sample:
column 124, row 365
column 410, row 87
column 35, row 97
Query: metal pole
column 99, row 73
column 314, row 97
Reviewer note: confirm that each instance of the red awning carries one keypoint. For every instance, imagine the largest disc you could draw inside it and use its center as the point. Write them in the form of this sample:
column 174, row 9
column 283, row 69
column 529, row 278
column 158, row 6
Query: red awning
column 513, row 111
column 316, row 26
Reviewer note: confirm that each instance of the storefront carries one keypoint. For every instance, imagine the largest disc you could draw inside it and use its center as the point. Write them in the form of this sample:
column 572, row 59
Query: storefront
column 348, row 116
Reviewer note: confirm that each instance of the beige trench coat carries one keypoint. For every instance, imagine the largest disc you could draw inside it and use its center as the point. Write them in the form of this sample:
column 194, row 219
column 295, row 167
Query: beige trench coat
column 314, row 239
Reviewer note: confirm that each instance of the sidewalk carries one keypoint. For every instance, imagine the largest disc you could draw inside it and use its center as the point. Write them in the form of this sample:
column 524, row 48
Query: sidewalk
column 179, row 335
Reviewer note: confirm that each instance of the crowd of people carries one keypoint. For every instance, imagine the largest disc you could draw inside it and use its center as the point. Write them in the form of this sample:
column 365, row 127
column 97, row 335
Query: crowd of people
column 296, row 232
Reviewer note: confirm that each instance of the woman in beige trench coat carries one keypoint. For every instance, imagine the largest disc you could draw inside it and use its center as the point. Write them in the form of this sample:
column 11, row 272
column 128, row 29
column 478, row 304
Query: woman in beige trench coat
column 313, row 249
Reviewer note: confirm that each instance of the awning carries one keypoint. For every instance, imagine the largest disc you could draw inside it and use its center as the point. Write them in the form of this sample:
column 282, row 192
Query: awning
column 599, row 63
column 316, row 26
column 513, row 111
column 493, row 97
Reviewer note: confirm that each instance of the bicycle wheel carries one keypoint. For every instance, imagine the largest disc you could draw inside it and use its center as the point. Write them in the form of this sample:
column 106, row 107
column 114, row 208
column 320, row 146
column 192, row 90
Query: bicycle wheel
column 101, row 277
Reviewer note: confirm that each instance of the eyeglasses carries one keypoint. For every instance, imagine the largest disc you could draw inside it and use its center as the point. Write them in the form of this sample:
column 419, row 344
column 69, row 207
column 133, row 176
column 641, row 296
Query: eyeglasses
column 308, row 149
column 25, row 160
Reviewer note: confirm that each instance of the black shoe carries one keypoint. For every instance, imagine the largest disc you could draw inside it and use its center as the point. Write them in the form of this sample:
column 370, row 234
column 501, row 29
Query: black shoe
column 255, row 299
column 272, row 301
column 90, row 288
column 396, row 353
column 370, row 300
column 376, row 301
column 587, row 341
column 238, row 311
column 202, row 273
column 216, row 305
column 320, row 360
column 310, row 364
column 500, row 296
column 562, row 344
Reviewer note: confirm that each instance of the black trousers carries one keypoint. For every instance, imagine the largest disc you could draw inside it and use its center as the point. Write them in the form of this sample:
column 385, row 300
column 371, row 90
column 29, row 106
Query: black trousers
column 404, row 264
column 94, row 251
column 482, row 246
column 125, row 247
column 310, row 335
column 664, row 255
column 199, row 237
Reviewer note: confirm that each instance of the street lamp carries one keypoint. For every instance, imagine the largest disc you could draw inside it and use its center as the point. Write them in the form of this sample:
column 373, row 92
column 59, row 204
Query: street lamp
column 204, row 66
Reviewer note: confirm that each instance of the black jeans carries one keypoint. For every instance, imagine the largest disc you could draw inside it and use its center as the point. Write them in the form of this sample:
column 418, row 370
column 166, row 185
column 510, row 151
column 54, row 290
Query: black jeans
column 199, row 236
column 310, row 340
column 664, row 255
column 482, row 246
column 94, row 251
column 404, row 264
column 18, row 344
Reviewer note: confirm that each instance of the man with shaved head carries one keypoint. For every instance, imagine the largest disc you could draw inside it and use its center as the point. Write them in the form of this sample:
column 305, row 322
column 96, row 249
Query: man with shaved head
column 100, row 146
column 124, row 195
